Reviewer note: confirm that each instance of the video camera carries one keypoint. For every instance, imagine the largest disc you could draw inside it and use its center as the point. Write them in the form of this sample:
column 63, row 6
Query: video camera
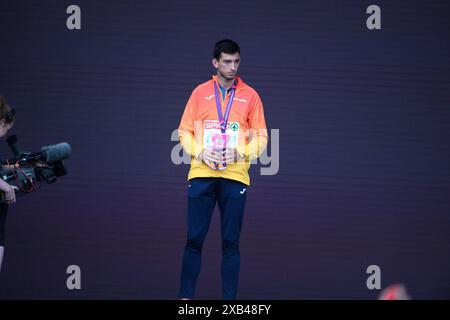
column 26, row 168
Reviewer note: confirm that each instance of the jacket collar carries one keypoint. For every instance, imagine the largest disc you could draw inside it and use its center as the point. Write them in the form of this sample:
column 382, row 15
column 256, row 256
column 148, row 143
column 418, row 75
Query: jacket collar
column 239, row 86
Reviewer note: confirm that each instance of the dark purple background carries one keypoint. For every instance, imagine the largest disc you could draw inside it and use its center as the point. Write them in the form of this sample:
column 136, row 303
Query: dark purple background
column 364, row 145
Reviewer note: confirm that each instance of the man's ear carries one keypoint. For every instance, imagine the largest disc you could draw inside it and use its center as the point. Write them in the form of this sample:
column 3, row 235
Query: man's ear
column 2, row 122
column 215, row 63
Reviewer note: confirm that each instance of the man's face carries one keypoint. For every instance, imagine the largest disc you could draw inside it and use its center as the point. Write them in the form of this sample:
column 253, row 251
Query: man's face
column 227, row 65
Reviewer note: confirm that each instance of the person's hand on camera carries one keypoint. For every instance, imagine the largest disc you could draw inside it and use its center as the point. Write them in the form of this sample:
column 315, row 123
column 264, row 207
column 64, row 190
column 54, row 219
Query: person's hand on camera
column 10, row 196
column 9, row 166
column 9, row 193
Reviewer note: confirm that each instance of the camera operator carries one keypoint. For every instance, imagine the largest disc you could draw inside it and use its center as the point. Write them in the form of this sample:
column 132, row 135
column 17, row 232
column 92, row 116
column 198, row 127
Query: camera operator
column 7, row 117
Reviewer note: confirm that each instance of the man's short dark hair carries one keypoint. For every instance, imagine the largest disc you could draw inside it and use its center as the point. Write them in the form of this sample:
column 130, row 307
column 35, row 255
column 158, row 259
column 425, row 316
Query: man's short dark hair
column 225, row 46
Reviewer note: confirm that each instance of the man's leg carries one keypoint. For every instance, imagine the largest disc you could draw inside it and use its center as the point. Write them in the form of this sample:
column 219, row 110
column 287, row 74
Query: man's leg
column 231, row 199
column 201, row 203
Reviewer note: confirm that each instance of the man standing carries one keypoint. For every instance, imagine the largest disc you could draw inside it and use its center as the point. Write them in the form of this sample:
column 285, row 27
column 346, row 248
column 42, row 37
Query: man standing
column 223, row 129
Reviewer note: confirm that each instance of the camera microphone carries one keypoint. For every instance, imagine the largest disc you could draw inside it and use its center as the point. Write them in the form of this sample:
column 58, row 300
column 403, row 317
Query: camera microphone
column 56, row 152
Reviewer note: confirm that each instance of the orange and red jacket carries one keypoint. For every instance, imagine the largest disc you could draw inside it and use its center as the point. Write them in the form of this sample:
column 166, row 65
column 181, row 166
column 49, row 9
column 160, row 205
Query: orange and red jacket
column 247, row 114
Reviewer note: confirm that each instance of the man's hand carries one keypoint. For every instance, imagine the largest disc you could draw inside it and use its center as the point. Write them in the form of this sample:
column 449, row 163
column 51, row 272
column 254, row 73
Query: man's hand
column 232, row 155
column 209, row 157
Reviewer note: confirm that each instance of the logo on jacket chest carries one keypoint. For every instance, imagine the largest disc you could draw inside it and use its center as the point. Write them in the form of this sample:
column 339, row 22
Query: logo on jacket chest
column 213, row 124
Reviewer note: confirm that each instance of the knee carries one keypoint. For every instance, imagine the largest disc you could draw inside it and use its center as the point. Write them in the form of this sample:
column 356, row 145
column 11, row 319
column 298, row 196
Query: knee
column 230, row 248
column 195, row 243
